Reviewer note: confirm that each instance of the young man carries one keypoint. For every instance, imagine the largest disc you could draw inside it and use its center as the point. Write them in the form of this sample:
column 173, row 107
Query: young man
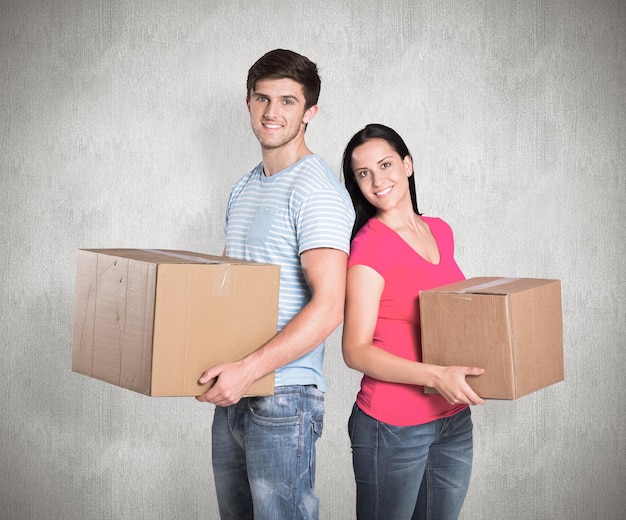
column 289, row 210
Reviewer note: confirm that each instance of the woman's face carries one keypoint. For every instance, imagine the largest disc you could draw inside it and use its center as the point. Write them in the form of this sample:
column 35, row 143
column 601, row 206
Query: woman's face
column 382, row 175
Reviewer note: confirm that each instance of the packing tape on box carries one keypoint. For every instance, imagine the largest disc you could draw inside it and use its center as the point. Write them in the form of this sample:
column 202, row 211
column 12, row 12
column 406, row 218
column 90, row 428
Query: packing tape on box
column 488, row 285
column 221, row 286
column 181, row 256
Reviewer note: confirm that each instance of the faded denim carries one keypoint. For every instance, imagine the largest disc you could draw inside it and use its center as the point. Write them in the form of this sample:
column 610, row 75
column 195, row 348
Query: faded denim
column 264, row 455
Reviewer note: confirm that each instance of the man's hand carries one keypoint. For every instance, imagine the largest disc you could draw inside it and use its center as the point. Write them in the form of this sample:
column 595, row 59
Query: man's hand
column 232, row 382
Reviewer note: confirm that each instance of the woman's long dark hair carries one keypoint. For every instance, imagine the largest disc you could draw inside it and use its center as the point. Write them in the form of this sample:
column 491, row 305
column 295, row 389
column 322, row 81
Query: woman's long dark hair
column 364, row 210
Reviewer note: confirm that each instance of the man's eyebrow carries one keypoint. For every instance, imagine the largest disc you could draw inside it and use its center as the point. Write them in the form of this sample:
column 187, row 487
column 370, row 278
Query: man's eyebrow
column 284, row 96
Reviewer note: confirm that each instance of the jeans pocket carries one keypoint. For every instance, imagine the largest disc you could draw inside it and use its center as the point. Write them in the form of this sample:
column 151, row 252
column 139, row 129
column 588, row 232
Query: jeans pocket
column 276, row 410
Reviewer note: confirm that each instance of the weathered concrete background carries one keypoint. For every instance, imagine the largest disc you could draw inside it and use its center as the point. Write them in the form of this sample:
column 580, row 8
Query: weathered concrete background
column 123, row 124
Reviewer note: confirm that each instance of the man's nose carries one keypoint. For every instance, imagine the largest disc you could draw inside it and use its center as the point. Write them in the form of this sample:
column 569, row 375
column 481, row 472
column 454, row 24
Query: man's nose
column 270, row 110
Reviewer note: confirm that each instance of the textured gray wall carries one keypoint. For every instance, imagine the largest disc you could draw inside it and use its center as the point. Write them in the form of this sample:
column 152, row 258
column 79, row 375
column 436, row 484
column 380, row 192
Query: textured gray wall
column 123, row 124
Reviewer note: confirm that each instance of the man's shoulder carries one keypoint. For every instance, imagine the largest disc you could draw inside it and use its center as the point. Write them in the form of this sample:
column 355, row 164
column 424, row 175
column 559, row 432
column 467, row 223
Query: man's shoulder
column 254, row 172
column 244, row 180
column 312, row 162
column 313, row 173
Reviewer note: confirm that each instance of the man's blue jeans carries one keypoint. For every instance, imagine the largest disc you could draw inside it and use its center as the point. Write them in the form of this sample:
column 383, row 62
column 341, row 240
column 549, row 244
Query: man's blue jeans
column 411, row 472
column 264, row 455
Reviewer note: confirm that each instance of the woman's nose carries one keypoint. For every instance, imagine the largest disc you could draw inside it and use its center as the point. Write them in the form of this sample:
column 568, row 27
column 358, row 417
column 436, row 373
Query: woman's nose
column 377, row 179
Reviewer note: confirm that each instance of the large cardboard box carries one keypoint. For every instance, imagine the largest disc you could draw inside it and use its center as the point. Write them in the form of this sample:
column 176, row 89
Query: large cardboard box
column 511, row 327
column 153, row 321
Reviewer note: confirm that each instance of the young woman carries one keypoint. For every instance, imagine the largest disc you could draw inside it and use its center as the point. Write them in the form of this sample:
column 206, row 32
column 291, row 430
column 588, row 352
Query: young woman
column 412, row 452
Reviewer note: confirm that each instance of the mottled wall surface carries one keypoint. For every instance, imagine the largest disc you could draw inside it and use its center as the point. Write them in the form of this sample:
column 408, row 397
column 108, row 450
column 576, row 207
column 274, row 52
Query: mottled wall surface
column 123, row 124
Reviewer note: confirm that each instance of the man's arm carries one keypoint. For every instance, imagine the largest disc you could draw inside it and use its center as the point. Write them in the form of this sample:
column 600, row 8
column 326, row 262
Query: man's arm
column 325, row 273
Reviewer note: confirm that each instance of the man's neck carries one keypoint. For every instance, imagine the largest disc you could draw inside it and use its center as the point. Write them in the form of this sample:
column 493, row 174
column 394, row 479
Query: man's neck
column 278, row 159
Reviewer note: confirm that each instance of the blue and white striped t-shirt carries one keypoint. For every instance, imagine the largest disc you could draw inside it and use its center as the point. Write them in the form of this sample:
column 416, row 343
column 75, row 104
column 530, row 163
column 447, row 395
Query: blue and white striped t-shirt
column 275, row 219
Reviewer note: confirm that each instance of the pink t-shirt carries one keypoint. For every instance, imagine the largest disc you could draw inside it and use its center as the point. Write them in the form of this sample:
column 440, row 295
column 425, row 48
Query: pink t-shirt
column 398, row 325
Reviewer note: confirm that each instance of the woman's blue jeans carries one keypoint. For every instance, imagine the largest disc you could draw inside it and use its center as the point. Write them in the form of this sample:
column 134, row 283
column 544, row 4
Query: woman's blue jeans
column 264, row 455
column 411, row 472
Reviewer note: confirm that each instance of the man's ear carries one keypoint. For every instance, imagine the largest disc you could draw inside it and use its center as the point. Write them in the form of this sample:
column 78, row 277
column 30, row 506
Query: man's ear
column 309, row 114
column 248, row 103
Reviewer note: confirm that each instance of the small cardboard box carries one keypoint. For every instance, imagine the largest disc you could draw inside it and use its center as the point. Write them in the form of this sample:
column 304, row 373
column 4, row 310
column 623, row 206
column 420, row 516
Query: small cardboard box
column 153, row 321
column 511, row 327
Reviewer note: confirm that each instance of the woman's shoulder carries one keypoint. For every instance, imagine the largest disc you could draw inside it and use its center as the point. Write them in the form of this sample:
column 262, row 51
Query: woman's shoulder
column 431, row 219
column 436, row 224
column 370, row 236
column 370, row 246
column 372, row 228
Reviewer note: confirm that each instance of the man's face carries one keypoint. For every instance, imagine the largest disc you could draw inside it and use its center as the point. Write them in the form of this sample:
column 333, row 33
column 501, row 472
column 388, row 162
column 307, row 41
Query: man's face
column 277, row 112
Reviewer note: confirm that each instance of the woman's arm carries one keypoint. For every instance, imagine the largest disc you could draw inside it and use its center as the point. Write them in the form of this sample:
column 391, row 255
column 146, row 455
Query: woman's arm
column 364, row 288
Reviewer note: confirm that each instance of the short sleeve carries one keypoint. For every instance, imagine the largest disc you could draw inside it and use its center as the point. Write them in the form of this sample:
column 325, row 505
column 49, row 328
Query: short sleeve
column 324, row 219
column 370, row 248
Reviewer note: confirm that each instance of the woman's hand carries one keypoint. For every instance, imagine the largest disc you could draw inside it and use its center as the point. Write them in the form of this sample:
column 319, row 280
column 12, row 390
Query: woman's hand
column 451, row 384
